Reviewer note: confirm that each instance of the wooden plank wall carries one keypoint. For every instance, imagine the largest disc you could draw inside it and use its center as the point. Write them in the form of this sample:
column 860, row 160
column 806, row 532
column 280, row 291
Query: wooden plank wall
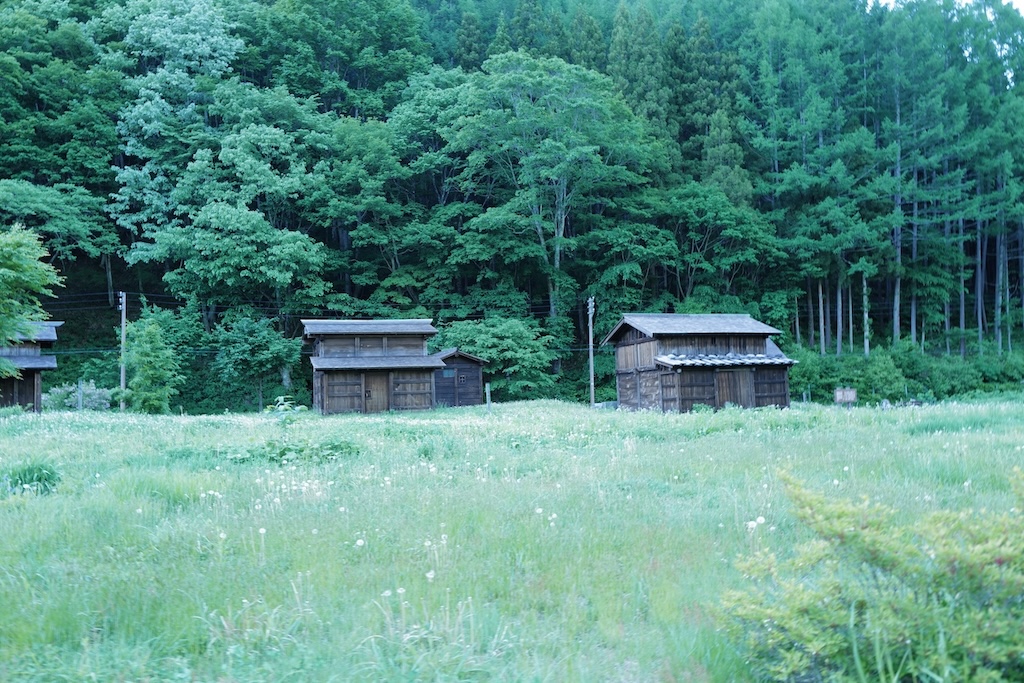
column 771, row 387
column 463, row 386
column 697, row 386
column 343, row 392
column 412, row 389
column 371, row 345
column 712, row 345
column 26, row 391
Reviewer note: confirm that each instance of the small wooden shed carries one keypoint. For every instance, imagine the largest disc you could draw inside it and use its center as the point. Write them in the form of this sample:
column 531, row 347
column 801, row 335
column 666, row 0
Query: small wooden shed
column 672, row 362
column 27, row 356
column 371, row 366
column 461, row 381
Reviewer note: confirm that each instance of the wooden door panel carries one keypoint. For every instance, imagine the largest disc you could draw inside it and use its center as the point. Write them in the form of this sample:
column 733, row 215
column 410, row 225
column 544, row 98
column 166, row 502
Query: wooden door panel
column 376, row 392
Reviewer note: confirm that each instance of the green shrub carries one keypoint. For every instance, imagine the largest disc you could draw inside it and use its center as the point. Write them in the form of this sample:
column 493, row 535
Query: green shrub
column 65, row 397
column 285, row 451
column 940, row 599
column 30, row 478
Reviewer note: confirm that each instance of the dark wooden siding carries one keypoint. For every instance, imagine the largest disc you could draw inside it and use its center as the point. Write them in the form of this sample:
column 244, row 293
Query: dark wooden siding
column 405, row 346
column 459, row 384
column 711, row 345
column 343, row 392
column 412, row 389
column 341, row 346
column 735, row 387
column 26, row 391
column 372, row 345
column 697, row 386
column 771, row 387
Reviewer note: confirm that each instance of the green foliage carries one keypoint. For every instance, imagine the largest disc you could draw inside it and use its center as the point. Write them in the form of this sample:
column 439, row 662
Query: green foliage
column 66, row 397
column 518, row 354
column 934, row 599
column 250, row 351
column 24, row 278
column 34, row 477
column 292, row 451
column 153, row 368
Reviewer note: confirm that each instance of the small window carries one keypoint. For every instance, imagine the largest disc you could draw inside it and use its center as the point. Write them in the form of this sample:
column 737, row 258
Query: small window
column 448, row 373
column 462, row 379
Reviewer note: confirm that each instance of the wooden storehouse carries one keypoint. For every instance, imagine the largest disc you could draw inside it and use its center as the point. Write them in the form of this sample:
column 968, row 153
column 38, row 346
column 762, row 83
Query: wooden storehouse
column 461, row 381
column 371, row 366
column 673, row 362
column 26, row 355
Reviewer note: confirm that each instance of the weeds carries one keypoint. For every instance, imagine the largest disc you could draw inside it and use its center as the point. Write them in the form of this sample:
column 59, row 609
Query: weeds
column 40, row 478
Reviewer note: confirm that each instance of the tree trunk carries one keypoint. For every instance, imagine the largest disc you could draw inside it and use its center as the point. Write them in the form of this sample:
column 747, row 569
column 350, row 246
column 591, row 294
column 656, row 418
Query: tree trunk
column 897, row 237
column 839, row 319
column 810, row 315
column 963, row 295
column 914, row 228
column 979, row 285
column 867, row 319
column 849, row 313
column 827, row 318
column 1000, row 274
column 821, row 320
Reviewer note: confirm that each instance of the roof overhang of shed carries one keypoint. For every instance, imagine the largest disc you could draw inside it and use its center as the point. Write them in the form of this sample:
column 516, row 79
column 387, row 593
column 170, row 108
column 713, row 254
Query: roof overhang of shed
column 445, row 354
column 416, row 326
column 31, row 362
column 41, row 331
column 376, row 362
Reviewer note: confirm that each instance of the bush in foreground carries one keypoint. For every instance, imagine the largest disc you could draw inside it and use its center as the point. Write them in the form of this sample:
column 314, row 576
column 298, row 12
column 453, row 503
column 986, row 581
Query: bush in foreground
column 941, row 599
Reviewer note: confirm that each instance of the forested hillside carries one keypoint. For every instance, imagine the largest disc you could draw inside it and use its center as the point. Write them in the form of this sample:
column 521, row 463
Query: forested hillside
column 849, row 173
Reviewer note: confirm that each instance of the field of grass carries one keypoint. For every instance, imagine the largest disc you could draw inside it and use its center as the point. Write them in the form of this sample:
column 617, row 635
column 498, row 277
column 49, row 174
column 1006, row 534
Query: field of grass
column 540, row 541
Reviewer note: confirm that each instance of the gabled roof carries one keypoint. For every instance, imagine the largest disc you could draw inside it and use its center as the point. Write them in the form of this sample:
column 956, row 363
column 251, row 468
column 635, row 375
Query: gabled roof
column 42, row 331
column 659, row 324
column 418, row 326
column 376, row 362
column 454, row 351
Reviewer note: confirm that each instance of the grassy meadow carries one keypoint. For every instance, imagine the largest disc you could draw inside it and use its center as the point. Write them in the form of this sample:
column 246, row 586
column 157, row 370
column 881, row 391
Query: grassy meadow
column 538, row 541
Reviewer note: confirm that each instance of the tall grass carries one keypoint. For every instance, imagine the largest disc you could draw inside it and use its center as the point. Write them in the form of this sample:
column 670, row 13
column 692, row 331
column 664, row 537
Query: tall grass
column 538, row 542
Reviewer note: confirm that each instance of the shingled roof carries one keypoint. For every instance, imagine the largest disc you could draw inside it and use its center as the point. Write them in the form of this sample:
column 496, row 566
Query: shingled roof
column 659, row 324
column 421, row 326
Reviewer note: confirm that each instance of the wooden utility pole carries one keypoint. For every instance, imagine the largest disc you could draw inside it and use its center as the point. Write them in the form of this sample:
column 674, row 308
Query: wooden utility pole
column 123, row 305
column 590, row 345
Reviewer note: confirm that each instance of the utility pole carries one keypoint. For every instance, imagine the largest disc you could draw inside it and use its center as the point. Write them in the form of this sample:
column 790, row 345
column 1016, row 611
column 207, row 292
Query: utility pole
column 590, row 345
column 123, row 305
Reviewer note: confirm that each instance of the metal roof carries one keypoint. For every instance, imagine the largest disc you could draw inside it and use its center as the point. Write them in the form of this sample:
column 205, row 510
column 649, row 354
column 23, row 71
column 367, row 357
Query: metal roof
column 376, row 362
column 454, row 351
column 31, row 362
column 729, row 360
column 658, row 324
column 419, row 326
column 42, row 331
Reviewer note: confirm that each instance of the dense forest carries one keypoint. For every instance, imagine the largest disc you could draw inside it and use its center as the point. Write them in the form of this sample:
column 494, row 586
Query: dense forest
column 848, row 172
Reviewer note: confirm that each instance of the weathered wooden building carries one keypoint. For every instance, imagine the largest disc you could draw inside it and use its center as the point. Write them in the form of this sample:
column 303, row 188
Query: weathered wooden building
column 672, row 362
column 461, row 381
column 370, row 366
column 27, row 356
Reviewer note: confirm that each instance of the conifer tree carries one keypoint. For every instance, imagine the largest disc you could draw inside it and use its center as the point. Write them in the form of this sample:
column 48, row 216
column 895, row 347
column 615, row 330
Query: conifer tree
column 470, row 49
column 502, row 41
column 586, row 45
